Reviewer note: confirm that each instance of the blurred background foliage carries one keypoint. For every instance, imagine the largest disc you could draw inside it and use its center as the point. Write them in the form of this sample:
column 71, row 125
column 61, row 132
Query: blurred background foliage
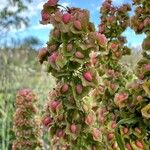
column 19, row 68
column 10, row 15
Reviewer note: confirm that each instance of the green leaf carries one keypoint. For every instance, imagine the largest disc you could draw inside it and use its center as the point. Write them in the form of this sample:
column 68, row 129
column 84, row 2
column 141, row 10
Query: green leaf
column 145, row 111
column 119, row 139
column 128, row 121
column 146, row 87
column 118, row 136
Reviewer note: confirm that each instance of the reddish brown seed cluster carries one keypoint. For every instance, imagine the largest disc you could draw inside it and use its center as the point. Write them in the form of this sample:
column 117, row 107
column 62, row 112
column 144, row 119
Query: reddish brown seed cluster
column 140, row 22
column 68, row 58
column 91, row 97
column 26, row 127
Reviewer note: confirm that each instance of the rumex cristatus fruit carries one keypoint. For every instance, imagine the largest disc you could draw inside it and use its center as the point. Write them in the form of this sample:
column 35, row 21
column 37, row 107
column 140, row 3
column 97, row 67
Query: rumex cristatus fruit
column 26, row 125
column 88, row 76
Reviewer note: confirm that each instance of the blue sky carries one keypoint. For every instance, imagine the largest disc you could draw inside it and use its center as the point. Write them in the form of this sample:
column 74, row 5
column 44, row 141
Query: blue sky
column 42, row 32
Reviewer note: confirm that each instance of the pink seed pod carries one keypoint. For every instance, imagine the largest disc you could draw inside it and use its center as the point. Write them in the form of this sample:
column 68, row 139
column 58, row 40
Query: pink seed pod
column 139, row 144
column 101, row 38
column 73, row 128
column 102, row 28
column 147, row 22
column 69, row 47
column 52, row 2
column 96, row 134
column 47, row 121
column 110, row 72
column 112, row 86
column 65, row 88
column 60, row 133
column 45, row 16
column 110, row 19
column 101, row 119
column 29, row 97
column 101, row 89
column 79, row 55
column 125, row 130
column 66, row 18
column 77, row 25
column 94, row 148
column 24, row 92
column 94, row 61
column 88, row 120
column 147, row 66
column 54, row 105
column 121, row 97
column 110, row 136
column 128, row 146
column 88, row 76
column 53, row 57
column 79, row 88
column 113, row 125
column 56, row 33
column 42, row 53
column 140, row 26
column 113, row 46
column 115, row 146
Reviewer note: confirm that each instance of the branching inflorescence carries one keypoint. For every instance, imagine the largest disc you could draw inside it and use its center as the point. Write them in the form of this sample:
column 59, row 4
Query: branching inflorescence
column 70, row 57
column 132, row 98
column 114, row 21
column 140, row 89
column 95, row 105
column 26, row 125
